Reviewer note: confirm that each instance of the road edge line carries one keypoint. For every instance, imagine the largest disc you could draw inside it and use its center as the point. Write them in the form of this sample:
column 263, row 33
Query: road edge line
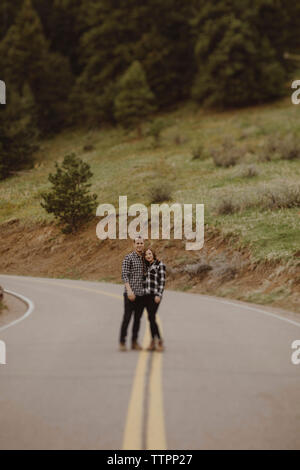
column 29, row 311
column 254, row 309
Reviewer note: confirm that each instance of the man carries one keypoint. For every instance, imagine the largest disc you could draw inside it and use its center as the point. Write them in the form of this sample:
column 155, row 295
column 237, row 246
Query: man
column 132, row 276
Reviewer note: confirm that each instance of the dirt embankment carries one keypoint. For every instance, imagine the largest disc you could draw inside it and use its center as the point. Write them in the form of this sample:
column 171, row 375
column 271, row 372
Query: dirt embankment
column 218, row 269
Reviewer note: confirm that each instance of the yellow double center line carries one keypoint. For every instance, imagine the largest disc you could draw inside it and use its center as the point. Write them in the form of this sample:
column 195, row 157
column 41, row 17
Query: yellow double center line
column 155, row 426
column 155, row 435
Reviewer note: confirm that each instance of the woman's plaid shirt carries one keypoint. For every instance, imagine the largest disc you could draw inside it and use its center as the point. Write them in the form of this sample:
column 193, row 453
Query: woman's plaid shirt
column 155, row 278
column 133, row 271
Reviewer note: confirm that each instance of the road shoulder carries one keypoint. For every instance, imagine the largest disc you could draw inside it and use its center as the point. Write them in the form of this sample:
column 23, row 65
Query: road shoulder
column 14, row 309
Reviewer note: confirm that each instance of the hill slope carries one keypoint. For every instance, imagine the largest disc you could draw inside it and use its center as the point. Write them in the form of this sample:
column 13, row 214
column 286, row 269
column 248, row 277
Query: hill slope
column 247, row 233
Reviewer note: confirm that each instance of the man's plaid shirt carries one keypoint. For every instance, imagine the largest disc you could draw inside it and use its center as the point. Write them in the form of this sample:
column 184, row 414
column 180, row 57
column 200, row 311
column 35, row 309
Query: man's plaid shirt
column 133, row 272
column 155, row 278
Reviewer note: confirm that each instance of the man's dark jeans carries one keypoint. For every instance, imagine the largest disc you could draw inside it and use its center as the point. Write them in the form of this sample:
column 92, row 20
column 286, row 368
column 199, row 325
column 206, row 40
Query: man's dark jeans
column 135, row 307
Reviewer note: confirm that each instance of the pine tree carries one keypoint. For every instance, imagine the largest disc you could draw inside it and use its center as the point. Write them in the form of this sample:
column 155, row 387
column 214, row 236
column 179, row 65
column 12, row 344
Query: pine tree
column 117, row 33
column 237, row 64
column 18, row 132
column 272, row 21
column 51, row 87
column 26, row 57
column 69, row 199
column 134, row 99
column 24, row 47
column 165, row 49
column 63, row 23
column 292, row 11
column 8, row 12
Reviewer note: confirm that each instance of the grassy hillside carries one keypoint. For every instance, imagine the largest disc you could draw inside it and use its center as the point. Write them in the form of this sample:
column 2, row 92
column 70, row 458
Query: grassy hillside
column 238, row 199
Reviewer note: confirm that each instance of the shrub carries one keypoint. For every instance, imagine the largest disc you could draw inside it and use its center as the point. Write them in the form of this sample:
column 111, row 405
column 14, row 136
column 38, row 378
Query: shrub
column 161, row 191
column 284, row 148
column 268, row 150
column 69, row 199
column 88, row 148
column 248, row 171
column 198, row 152
column 226, row 155
column 272, row 198
column 225, row 273
column 155, row 130
column 289, row 148
column 286, row 197
column 226, row 206
column 251, row 131
column 199, row 270
column 179, row 139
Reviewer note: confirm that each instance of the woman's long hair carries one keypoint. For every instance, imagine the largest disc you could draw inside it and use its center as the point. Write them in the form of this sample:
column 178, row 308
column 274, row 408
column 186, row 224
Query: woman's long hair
column 146, row 263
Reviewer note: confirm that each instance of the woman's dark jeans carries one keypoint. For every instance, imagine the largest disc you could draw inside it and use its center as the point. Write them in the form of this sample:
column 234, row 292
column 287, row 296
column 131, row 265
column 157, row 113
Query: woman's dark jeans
column 152, row 308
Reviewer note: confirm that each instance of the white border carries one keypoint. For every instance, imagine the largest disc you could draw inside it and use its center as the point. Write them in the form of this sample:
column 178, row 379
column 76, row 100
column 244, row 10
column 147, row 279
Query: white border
column 28, row 312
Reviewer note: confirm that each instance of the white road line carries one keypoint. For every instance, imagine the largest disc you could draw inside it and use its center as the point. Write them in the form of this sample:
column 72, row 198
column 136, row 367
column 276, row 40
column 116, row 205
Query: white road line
column 28, row 312
column 254, row 309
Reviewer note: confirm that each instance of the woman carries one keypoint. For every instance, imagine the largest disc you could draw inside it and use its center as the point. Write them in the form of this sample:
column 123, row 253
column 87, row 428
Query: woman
column 154, row 283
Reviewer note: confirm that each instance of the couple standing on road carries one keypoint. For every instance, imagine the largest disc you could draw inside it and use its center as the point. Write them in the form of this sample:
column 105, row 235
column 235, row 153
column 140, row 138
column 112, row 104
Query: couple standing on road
column 144, row 277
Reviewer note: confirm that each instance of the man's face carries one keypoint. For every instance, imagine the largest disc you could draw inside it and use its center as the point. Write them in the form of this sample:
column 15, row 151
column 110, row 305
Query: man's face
column 139, row 245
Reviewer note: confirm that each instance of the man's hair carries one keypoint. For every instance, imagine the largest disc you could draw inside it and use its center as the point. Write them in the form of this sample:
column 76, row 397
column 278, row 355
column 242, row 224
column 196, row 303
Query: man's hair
column 138, row 238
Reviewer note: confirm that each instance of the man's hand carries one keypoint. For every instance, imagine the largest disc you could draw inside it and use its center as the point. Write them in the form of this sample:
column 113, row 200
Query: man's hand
column 130, row 293
column 131, row 296
column 157, row 299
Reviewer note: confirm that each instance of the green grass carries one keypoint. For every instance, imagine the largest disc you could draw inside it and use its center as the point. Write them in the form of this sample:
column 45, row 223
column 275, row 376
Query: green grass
column 263, row 298
column 124, row 165
column 255, row 296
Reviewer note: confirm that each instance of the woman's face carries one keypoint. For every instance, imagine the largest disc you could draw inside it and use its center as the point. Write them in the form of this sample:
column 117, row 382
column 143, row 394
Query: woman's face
column 149, row 256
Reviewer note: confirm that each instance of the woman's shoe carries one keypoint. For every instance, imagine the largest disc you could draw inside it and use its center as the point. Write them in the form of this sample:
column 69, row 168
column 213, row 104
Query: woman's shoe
column 151, row 346
column 160, row 346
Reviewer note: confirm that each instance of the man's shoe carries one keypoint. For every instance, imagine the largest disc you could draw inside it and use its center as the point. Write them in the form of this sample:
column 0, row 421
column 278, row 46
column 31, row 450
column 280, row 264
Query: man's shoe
column 123, row 347
column 151, row 346
column 160, row 346
column 136, row 347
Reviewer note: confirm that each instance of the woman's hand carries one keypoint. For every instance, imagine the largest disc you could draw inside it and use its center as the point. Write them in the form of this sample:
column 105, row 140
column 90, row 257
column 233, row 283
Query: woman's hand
column 157, row 299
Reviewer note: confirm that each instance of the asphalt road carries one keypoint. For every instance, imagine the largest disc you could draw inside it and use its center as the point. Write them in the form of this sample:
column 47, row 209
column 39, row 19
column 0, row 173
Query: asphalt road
column 226, row 380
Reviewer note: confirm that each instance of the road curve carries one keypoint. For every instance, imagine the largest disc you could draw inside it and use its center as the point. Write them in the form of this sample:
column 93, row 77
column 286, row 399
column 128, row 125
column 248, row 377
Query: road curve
column 226, row 380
